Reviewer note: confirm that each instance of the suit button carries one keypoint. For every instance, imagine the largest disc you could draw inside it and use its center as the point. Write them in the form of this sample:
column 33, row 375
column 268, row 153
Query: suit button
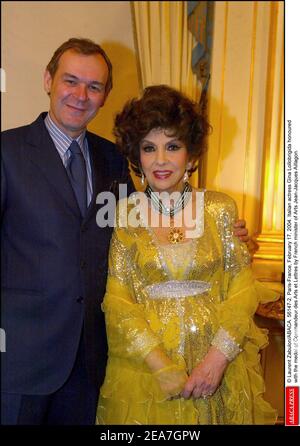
column 79, row 299
column 82, row 264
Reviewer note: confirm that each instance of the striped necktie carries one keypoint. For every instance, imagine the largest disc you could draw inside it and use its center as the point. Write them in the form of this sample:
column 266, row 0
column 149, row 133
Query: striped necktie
column 76, row 170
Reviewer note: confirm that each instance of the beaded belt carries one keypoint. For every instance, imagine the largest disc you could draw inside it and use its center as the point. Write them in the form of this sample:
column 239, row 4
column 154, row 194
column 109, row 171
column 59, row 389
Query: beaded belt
column 174, row 289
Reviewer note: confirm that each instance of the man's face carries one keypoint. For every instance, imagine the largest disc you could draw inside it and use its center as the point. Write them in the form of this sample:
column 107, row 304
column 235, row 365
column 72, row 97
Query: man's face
column 77, row 90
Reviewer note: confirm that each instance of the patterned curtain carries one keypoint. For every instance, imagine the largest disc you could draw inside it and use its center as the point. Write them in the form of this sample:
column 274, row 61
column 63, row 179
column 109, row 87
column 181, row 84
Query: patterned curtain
column 200, row 24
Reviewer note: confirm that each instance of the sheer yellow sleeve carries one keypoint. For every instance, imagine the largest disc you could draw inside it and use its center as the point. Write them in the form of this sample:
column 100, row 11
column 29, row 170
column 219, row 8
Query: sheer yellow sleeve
column 241, row 292
column 128, row 332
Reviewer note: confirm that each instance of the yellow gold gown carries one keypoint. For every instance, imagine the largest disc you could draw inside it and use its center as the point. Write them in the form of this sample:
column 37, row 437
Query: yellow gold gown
column 143, row 312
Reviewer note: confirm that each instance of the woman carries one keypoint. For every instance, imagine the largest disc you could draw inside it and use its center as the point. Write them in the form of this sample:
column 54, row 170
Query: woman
column 180, row 298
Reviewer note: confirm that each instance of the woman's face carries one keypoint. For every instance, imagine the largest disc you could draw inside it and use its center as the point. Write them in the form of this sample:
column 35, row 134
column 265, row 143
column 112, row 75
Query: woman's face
column 164, row 160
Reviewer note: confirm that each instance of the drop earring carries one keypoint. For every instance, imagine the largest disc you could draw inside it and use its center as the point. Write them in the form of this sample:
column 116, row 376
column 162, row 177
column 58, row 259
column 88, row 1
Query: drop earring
column 186, row 177
column 143, row 179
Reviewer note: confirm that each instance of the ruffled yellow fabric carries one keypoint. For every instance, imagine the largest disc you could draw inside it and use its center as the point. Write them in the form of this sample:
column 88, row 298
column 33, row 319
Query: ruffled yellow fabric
column 136, row 325
column 131, row 395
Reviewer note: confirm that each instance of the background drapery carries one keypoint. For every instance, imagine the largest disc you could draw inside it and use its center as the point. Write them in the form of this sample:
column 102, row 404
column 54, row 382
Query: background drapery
column 200, row 23
column 165, row 45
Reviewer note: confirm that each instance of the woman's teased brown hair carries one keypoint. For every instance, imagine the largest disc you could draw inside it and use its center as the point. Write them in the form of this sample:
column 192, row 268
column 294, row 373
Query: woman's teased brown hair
column 160, row 107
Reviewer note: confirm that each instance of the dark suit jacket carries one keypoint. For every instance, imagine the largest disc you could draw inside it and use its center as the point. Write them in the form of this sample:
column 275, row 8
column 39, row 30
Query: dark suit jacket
column 54, row 264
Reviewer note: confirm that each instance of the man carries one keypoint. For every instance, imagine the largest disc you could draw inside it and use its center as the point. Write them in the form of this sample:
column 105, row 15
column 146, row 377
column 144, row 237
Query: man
column 54, row 256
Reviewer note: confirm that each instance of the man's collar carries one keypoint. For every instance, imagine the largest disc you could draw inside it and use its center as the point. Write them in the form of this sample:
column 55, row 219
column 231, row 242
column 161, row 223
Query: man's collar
column 57, row 133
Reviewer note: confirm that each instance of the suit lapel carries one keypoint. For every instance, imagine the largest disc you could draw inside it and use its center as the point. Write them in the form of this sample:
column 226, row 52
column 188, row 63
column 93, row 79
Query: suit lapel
column 45, row 156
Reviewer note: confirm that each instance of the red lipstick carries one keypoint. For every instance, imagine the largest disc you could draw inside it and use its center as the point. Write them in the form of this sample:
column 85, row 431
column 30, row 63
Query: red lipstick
column 162, row 174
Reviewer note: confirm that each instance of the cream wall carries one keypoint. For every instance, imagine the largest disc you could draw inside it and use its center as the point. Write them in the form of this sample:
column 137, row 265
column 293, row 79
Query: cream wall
column 31, row 31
